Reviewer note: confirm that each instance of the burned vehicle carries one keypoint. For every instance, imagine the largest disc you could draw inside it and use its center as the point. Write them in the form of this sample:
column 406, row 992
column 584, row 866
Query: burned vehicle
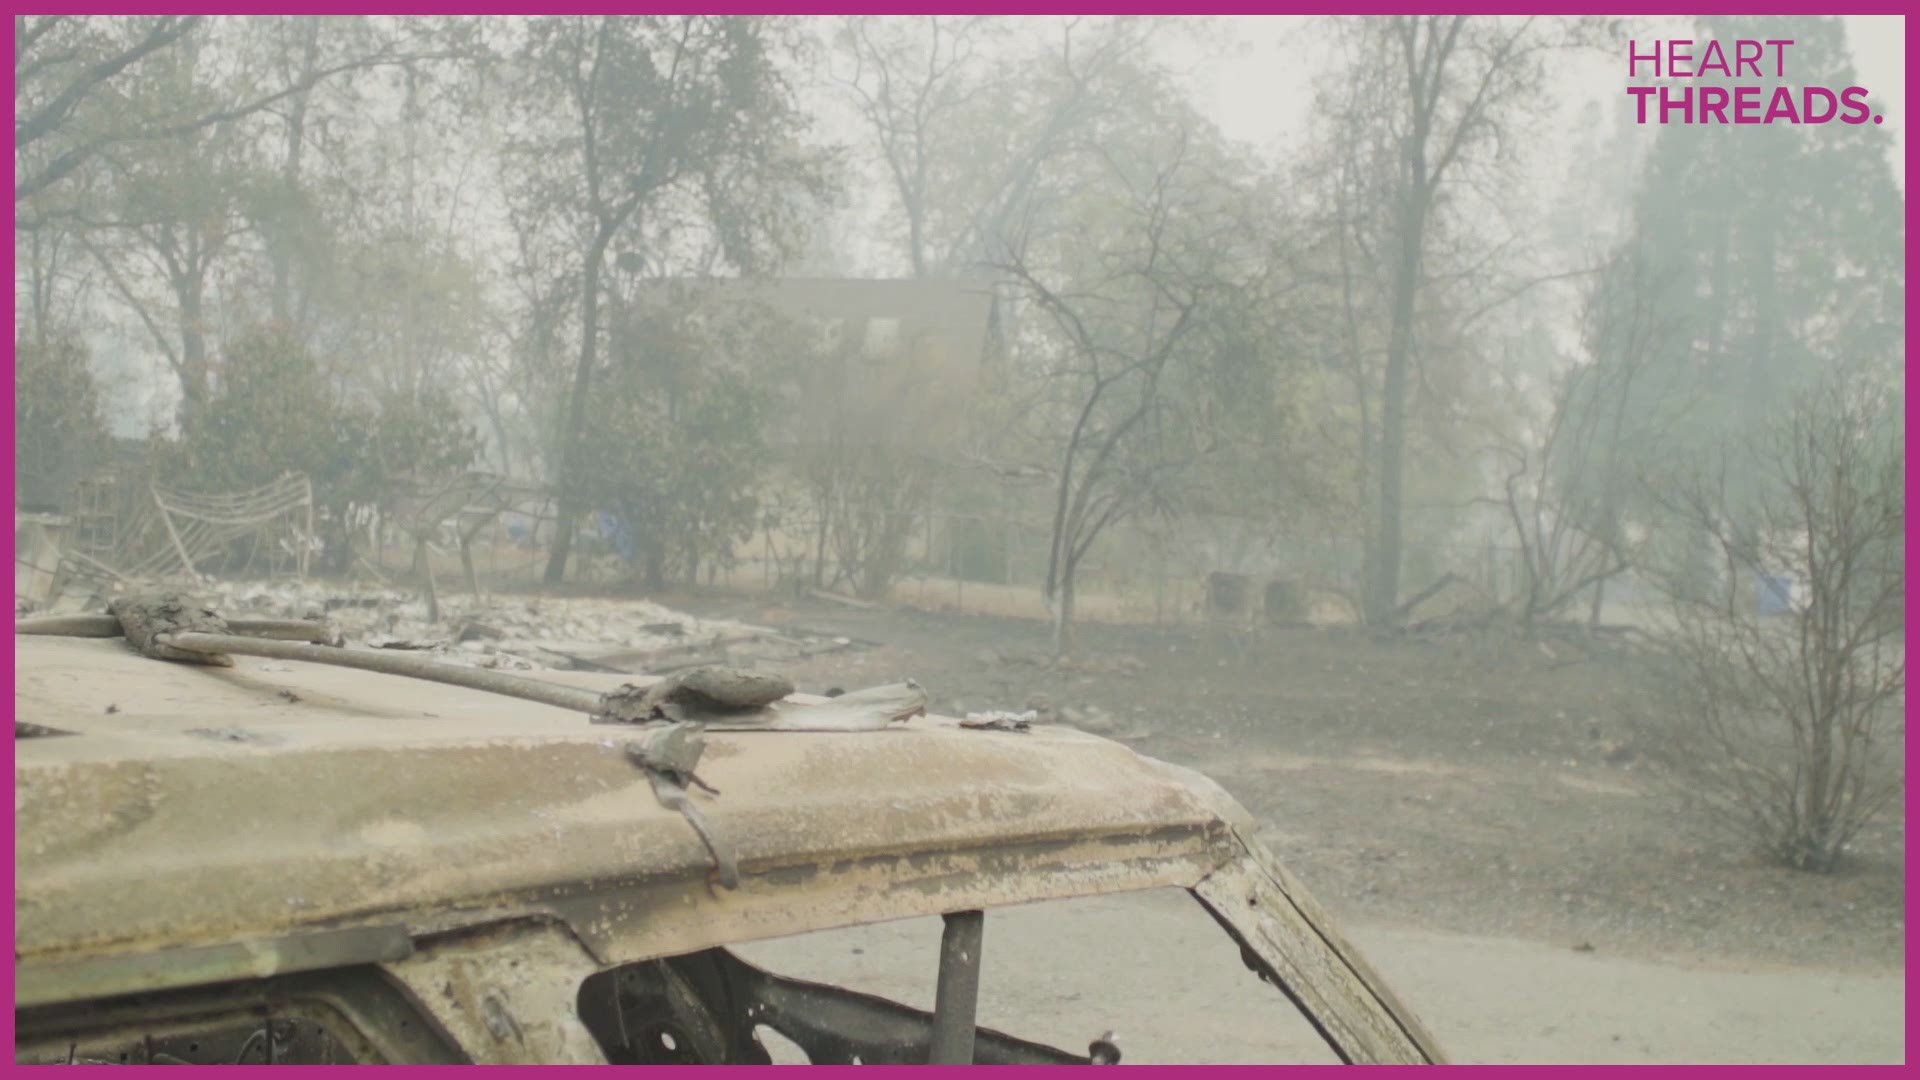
column 277, row 861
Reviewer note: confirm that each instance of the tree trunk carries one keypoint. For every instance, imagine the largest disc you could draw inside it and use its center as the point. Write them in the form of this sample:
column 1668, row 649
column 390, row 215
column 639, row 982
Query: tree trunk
column 466, row 565
column 655, row 557
column 1063, row 612
column 423, row 566
column 1383, row 580
column 569, row 507
column 40, row 275
column 193, row 357
column 281, row 251
column 820, row 542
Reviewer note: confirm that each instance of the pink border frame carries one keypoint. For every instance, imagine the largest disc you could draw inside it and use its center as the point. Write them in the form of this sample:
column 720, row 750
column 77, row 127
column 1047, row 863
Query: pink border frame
column 730, row 8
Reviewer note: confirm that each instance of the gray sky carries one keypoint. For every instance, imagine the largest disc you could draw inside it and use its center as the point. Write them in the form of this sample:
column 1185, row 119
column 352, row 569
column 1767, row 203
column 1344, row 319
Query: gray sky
column 1252, row 74
column 1262, row 90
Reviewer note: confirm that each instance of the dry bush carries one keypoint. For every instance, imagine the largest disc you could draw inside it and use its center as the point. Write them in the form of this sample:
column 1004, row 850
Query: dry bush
column 1791, row 726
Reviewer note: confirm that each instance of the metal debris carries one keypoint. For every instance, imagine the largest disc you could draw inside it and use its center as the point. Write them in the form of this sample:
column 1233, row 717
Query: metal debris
column 147, row 618
column 693, row 699
column 668, row 755
column 1000, row 720
column 673, row 749
column 700, row 693
column 873, row 709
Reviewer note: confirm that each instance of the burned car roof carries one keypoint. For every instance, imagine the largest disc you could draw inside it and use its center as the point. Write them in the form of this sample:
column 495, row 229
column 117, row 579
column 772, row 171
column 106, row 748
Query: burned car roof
column 180, row 826
column 191, row 806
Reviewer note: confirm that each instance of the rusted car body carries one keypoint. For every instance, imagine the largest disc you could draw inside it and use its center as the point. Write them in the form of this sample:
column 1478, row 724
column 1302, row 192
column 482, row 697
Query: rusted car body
column 286, row 862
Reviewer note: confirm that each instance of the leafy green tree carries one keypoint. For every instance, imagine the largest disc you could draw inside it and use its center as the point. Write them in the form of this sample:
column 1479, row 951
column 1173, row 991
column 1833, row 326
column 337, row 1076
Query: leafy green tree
column 274, row 411
column 681, row 149
column 675, row 441
column 57, row 425
column 402, row 437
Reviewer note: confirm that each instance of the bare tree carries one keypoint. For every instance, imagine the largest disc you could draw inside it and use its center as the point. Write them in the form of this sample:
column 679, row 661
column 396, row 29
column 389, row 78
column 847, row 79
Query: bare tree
column 52, row 262
column 912, row 82
column 1564, row 492
column 968, row 142
column 175, row 208
column 72, row 101
column 970, row 147
column 1355, row 174
column 170, row 212
column 1792, row 725
column 866, row 456
column 1449, row 89
column 63, row 62
column 1121, row 323
column 1567, row 541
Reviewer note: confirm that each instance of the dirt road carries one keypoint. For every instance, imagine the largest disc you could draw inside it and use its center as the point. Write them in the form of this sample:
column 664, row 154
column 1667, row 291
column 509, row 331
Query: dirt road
column 1494, row 787
column 1154, row 968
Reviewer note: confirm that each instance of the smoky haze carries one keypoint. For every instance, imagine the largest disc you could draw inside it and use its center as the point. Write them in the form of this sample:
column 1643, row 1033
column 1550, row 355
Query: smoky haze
column 1501, row 496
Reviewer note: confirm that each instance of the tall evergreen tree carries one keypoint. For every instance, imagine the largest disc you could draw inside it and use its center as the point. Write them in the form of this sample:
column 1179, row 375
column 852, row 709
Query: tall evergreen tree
column 1777, row 248
column 1761, row 260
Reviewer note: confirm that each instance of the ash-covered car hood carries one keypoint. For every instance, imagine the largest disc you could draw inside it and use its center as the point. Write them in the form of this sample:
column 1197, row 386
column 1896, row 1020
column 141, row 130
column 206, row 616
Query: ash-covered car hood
column 192, row 807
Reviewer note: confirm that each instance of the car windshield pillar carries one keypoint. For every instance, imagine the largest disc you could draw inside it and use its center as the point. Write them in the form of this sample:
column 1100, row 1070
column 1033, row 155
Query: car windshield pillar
column 957, row 995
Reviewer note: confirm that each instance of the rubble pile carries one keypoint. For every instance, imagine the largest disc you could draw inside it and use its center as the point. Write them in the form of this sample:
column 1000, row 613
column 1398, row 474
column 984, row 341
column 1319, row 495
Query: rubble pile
column 517, row 633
